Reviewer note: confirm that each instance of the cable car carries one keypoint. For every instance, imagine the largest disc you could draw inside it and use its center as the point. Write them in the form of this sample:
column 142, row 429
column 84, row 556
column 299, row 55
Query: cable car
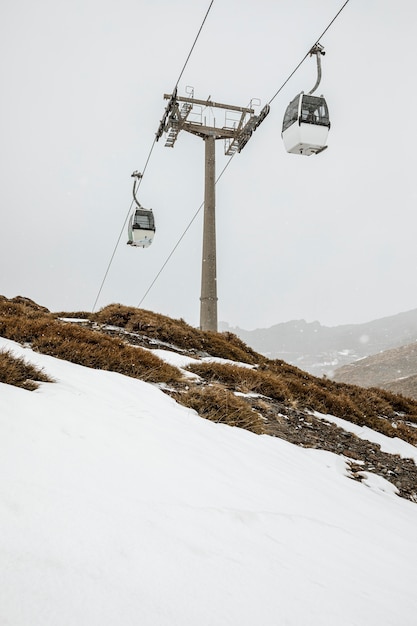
column 306, row 121
column 141, row 227
column 306, row 125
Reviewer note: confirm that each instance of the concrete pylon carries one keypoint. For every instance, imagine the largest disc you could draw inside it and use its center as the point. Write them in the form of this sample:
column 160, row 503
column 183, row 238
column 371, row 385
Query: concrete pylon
column 208, row 299
column 180, row 115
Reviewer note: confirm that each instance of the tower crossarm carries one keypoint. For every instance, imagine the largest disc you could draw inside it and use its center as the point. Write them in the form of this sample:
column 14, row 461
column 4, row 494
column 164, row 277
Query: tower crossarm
column 179, row 115
column 208, row 131
column 210, row 103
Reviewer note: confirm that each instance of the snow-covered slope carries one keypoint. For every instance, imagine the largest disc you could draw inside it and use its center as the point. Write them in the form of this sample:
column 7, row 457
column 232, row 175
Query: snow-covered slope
column 119, row 507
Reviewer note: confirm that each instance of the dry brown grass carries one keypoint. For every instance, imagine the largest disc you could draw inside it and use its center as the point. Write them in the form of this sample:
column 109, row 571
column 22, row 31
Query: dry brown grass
column 220, row 405
column 295, row 388
column 176, row 332
column 16, row 371
column 242, row 379
column 81, row 345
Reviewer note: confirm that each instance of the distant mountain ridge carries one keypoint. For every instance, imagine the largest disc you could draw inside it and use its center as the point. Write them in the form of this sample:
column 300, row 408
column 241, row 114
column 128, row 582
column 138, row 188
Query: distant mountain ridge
column 394, row 370
column 321, row 349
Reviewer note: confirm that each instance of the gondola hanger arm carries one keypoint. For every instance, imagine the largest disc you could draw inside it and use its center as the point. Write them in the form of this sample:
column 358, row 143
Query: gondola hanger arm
column 137, row 176
column 318, row 50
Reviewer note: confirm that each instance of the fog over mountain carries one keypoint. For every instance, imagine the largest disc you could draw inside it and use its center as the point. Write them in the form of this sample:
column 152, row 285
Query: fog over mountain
column 322, row 349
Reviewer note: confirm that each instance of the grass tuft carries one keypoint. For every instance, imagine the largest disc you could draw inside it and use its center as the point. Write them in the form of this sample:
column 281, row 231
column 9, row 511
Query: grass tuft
column 220, row 405
column 81, row 345
column 176, row 332
column 16, row 371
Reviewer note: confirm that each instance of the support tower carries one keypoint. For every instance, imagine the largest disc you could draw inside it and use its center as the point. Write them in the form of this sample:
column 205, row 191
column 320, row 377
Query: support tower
column 187, row 113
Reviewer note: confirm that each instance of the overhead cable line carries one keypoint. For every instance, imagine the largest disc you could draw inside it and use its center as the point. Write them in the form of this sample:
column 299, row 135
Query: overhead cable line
column 120, row 235
column 195, row 41
column 308, row 53
column 147, row 161
column 230, row 159
column 182, row 236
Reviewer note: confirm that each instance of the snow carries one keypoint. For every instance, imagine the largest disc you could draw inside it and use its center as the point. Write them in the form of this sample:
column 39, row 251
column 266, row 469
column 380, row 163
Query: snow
column 119, row 506
column 173, row 358
column 181, row 361
column 75, row 320
column 378, row 483
column 215, row 359
column 392, row 445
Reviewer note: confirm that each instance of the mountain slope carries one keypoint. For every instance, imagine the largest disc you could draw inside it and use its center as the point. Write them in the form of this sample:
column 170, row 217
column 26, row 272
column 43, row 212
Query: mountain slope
column 394, row 370
column 119, row 506
column 222, row 379
column 320, row 349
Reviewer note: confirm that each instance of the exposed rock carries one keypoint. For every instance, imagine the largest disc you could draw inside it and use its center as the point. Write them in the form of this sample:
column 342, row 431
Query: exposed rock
column 308, row 431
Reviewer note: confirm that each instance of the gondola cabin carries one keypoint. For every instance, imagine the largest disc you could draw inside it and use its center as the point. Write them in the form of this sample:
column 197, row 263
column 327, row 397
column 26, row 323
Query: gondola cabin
column 141, row 228
column 306, row 125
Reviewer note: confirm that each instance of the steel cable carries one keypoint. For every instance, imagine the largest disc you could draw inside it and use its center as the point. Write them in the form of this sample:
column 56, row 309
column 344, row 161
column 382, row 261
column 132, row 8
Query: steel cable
column 146, row 164
column 228, row 163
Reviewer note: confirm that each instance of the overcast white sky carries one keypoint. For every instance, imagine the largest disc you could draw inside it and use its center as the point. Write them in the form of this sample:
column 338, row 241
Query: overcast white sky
column 328, row 238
